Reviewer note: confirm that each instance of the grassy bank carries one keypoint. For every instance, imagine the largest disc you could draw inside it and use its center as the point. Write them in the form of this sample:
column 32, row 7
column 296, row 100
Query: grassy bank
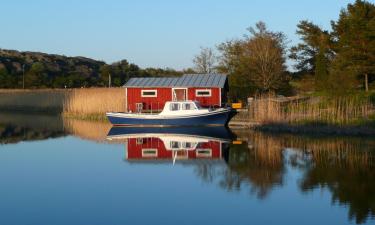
column 354, row 115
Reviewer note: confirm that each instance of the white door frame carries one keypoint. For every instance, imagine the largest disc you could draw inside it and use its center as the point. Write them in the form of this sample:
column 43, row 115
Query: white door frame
column 186, row 92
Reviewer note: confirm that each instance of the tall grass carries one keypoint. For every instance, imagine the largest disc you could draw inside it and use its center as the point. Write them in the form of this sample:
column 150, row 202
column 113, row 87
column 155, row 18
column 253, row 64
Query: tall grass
column 94, row 102
column 334, row 111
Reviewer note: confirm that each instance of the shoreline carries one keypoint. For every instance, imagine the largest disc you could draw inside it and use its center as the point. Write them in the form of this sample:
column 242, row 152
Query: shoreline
column 279, row 128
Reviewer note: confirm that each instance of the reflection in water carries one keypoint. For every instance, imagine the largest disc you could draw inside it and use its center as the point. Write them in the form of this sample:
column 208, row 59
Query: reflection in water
column 345, row 166
column 16, row 127
column 258, row 163
column 172, row 144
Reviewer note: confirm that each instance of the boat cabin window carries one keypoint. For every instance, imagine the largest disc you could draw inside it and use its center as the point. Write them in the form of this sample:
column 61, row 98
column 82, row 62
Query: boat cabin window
column 149, row 93
column 188, row 145
column 188, row 106
column 175, row 145
column 203, row 92
column 175, row 106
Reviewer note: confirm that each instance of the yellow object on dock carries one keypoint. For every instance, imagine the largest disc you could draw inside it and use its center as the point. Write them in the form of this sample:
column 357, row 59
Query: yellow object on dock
column 237, row 105
column 238, row 142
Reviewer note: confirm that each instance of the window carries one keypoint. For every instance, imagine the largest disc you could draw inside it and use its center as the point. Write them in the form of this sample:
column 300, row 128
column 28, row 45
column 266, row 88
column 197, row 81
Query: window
column 149, row 152
column 175, row 107
column 139, row 141
column 188, row 106
column 149, row 93
column 175, row 145
column 203, row 92
column 189, row 145
column 204, row 153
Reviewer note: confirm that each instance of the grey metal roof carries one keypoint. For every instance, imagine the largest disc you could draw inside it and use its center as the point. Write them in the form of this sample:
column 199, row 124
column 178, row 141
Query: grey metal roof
column 187, row 80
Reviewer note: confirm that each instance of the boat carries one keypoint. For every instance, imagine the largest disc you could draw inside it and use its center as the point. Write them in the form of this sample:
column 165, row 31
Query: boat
column 210, row 132
column 175, row 113
column 169, row 144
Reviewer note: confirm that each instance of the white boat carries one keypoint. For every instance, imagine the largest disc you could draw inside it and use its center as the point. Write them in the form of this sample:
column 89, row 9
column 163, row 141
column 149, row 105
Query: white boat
column 175, row 113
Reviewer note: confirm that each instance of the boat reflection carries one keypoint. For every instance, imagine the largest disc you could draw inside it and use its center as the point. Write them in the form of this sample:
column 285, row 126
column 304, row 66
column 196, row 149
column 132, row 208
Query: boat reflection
column 173, row 144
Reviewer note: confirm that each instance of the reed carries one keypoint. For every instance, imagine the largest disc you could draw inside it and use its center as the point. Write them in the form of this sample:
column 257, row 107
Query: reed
column 333, row 111
column 94, row 102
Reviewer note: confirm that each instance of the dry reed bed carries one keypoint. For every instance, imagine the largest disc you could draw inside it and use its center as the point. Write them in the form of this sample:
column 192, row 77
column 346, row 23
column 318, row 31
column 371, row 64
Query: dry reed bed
column 94, row 101
column 335, row 111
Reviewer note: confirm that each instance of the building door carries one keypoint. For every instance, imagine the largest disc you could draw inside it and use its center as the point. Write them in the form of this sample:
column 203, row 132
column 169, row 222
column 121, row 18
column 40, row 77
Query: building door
column 179, row 94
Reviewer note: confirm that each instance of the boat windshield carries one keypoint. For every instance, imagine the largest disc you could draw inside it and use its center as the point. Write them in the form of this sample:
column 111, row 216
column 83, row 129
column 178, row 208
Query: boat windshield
column 188, row 106
column 198, row 105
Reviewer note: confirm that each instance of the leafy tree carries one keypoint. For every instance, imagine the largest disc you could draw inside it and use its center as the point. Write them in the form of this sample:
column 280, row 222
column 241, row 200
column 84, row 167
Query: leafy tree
column 6, row 80
column 36, row 76
column 255, row 63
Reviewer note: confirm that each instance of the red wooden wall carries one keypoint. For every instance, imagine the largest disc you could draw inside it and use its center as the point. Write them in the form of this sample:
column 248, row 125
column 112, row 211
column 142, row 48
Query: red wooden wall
column 135, row 149
column 165, row 94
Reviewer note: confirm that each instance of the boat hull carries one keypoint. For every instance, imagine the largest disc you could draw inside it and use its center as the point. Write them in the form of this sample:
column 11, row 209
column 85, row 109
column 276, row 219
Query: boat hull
column 214, row 118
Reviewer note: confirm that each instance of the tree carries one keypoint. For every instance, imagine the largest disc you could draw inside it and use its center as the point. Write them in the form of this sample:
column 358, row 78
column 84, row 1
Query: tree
column 314, row 54
column 354, row 33
column 6, row 80
column 205, row 61
column 255, row 63
column 36, row 76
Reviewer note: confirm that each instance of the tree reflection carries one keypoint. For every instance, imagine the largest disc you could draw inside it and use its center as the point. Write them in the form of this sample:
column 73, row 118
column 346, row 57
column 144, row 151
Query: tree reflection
column 344, row 166
column 347, row 172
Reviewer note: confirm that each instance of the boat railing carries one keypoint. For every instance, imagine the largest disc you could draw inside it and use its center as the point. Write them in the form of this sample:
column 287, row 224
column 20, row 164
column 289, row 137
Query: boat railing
column 144, row 108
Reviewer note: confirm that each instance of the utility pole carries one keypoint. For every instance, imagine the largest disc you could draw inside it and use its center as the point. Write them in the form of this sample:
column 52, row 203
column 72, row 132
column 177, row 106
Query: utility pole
column 23, row 76
column 109, row 80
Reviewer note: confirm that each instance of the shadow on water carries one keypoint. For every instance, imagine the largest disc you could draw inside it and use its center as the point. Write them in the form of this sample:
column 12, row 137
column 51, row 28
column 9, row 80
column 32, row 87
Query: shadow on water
column 235, row 161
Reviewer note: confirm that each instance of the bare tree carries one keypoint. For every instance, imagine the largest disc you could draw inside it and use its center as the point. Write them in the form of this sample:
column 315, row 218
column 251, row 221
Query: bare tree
column 205, row 61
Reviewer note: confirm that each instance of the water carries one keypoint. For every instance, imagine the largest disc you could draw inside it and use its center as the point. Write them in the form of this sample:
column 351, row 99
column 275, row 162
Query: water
column 56, row 171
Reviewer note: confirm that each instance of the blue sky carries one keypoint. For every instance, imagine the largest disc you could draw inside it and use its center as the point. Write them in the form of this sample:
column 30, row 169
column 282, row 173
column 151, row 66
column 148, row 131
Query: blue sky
column 162, row 33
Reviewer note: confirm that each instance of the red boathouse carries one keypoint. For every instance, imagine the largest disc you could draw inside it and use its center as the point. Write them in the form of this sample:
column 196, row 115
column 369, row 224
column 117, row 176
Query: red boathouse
column 151, row 93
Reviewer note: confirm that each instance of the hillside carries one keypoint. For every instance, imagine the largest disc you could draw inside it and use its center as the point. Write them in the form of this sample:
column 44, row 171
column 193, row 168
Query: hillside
column 43, row 70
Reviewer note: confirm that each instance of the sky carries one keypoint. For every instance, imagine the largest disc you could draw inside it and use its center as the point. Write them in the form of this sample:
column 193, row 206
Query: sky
column 149, row 33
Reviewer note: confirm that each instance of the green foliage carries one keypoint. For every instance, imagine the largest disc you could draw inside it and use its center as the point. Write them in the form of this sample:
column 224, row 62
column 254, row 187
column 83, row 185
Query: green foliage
column 56, row 71
column 255, row 64
column 343, row 60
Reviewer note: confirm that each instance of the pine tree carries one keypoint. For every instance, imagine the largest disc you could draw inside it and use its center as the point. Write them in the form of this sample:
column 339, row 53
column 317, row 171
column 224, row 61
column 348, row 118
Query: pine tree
column 355, row 35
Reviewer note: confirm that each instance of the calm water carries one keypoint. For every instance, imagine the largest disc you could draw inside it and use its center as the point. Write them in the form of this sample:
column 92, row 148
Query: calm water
column 56, row 171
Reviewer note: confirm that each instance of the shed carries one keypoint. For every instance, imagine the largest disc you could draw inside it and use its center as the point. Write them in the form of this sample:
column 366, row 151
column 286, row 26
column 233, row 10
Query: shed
column 151, row 93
